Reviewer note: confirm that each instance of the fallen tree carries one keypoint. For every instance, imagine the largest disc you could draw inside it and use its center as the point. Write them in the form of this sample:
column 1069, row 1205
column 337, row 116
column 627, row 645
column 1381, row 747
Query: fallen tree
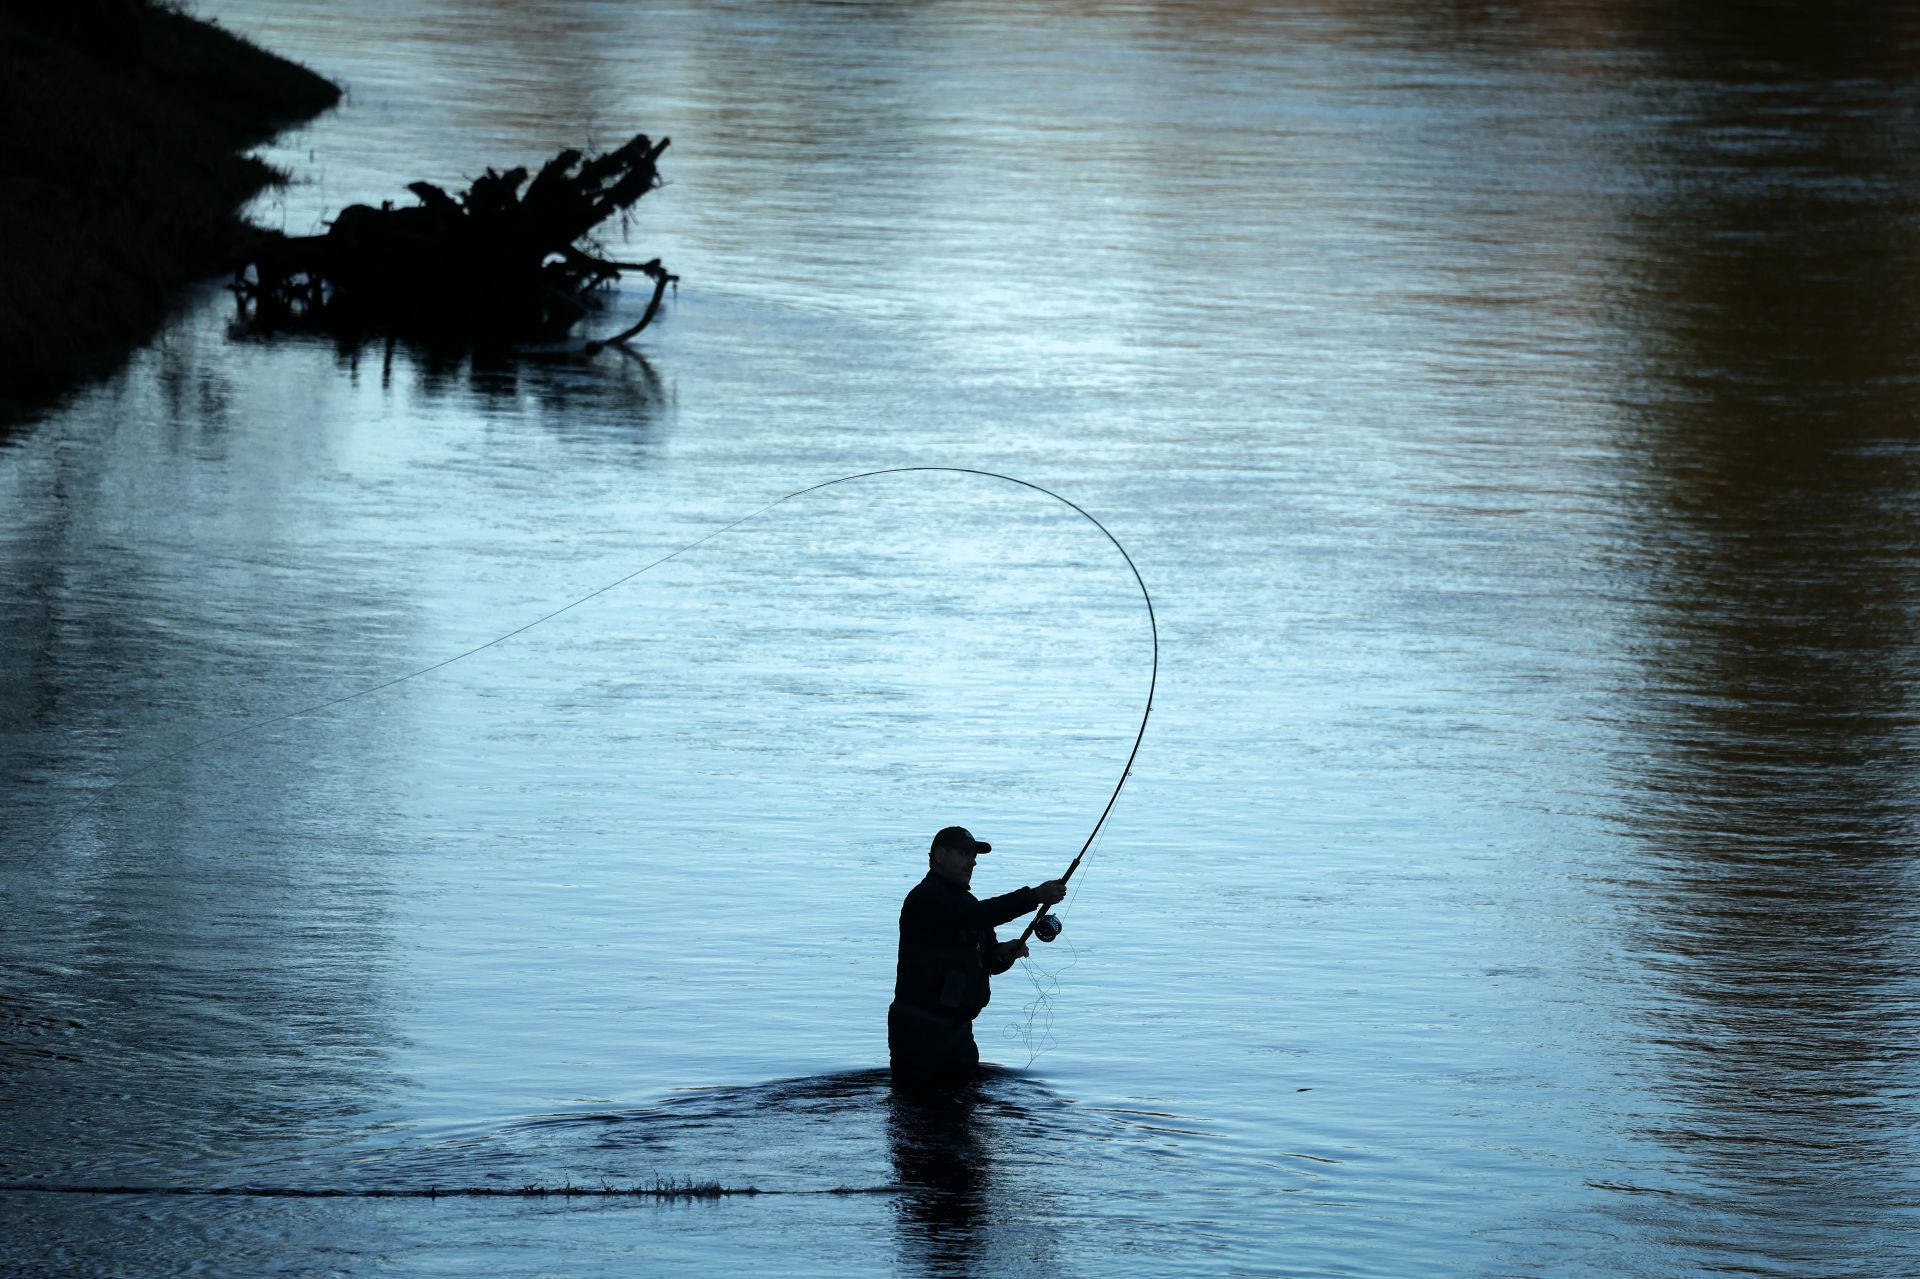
column 495, row 263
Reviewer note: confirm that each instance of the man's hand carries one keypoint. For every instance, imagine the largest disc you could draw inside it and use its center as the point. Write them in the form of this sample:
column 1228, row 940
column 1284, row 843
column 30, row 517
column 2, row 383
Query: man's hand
column 1010, row 951
column 1051, row 892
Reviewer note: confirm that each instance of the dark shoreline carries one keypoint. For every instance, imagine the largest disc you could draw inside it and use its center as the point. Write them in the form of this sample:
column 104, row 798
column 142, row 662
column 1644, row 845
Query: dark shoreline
column 122, row 170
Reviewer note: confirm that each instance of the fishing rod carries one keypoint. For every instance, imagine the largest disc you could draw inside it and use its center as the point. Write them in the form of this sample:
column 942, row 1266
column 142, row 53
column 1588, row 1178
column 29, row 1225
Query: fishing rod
column 1045, row 926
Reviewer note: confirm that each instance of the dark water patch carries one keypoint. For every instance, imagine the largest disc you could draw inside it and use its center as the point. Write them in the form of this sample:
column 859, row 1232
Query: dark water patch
column 33, row 1036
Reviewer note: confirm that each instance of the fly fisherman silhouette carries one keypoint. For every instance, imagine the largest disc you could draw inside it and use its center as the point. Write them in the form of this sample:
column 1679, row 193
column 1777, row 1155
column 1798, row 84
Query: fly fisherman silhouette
column 947, row 953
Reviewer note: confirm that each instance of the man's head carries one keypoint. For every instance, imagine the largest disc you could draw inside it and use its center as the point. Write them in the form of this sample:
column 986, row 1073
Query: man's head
column 953, row 852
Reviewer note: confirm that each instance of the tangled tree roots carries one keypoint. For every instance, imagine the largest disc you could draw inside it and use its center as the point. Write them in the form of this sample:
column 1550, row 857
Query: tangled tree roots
column 495, row 263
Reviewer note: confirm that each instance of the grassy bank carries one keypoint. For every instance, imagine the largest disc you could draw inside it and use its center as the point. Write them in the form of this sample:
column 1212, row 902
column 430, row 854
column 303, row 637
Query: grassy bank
column 121, row 130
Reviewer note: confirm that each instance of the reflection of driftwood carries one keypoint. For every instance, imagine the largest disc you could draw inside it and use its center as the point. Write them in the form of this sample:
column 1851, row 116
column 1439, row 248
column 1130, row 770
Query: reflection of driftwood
column 496, row 262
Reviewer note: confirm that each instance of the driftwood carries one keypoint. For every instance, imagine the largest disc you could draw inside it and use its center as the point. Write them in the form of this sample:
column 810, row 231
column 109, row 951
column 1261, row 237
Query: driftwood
column 494, row 263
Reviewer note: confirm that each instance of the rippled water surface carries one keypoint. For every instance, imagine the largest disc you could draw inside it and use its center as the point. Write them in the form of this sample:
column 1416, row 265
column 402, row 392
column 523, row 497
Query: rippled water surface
column 1513, row 411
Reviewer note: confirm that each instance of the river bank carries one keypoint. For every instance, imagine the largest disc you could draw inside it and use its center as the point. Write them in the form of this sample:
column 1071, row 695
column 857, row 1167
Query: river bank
column 121, row 174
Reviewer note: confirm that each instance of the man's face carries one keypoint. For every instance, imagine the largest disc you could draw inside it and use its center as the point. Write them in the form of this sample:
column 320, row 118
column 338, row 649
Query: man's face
column 955, row 865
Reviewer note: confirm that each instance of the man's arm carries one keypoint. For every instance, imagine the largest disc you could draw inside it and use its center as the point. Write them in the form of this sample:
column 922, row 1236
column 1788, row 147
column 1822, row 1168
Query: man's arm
column 998, row 910
column 935, row 910
column 953, row 909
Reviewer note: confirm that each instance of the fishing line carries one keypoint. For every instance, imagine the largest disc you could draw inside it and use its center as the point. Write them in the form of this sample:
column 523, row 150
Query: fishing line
column 192, row 747
column 1039, row 1009
column 96, row 797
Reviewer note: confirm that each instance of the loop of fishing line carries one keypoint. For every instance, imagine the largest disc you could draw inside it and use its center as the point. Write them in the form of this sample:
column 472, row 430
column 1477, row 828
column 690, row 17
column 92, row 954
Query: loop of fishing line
column 94, row 798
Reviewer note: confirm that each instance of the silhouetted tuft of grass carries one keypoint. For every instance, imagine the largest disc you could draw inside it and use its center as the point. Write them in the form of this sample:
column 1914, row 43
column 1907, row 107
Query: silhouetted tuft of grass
column 121, row 123
column 660, row 1188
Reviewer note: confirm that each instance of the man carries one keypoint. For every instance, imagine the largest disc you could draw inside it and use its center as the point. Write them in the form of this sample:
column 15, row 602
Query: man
column 947, row 953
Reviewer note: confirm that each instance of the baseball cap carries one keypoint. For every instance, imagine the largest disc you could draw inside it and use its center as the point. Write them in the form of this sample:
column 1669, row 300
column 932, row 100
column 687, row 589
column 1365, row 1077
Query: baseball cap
column 961, row 838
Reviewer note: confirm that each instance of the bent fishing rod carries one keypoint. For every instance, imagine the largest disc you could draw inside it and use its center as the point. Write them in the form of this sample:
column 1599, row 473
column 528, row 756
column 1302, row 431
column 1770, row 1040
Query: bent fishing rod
column 1046, row 926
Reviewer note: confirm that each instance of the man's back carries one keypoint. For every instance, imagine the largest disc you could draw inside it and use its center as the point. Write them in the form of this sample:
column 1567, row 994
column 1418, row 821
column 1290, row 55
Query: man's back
column 947, row 945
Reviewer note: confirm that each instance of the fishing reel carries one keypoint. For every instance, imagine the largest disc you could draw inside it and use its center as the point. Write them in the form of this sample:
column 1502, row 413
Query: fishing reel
column 1047, row 927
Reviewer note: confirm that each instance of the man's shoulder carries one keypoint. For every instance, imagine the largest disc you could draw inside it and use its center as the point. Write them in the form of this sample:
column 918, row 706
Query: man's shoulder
column 929, row 886
column 934, row 890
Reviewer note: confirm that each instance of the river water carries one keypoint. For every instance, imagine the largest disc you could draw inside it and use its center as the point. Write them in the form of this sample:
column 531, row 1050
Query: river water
column 1514, row 413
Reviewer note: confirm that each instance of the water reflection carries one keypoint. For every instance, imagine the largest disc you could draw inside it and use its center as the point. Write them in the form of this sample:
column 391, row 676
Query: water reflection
column 946, row 1172
column 187, row 967
column 616, row 382
column 1775, row 398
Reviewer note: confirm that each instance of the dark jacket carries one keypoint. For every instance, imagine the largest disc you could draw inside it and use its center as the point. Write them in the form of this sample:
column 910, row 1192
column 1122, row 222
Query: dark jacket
column 947, row 946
